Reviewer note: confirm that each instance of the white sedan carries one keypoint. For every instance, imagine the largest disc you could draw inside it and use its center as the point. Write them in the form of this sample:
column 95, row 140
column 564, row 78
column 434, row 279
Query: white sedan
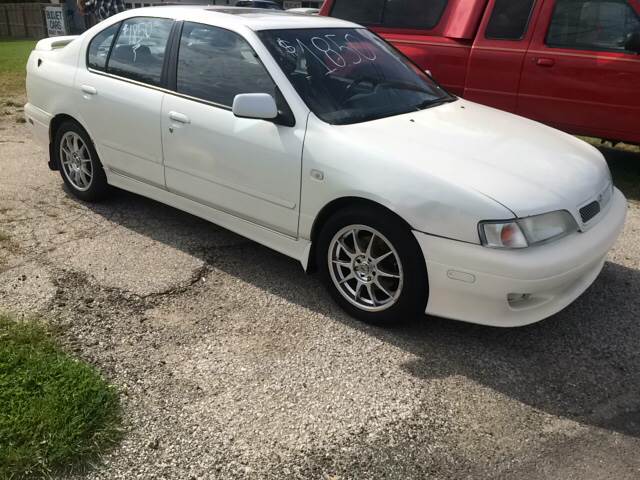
column 316, row 138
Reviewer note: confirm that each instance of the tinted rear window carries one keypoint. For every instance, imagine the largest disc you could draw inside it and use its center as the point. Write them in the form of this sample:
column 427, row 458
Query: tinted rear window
column 100, row 46
column 413, row 13
column 416, row 14
column 138, row 52
column 509, row 19
column 359, row 11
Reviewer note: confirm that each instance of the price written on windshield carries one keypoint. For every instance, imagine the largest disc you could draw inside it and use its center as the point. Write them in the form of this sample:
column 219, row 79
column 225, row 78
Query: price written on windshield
column 332, row 52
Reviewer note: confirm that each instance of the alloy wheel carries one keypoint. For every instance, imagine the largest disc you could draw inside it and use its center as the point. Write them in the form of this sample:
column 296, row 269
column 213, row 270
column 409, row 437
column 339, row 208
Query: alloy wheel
column 76, row 161
column 365, row 268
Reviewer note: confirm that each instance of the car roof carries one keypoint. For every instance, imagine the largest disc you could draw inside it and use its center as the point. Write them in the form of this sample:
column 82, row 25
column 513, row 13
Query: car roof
column 252, row 18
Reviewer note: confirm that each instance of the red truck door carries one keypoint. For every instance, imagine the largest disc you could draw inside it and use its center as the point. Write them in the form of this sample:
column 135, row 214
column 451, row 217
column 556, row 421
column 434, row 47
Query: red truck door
column 498, row 53
column 578, row 75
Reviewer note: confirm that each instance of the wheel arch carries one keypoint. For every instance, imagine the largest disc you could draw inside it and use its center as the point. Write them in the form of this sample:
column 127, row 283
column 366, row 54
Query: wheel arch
column 54, row 125
column 332, row 208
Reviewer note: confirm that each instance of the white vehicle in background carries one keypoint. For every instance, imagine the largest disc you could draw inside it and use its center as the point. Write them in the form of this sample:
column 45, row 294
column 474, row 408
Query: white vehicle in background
column 307, row 11
column 314, row 137
column 269, row 4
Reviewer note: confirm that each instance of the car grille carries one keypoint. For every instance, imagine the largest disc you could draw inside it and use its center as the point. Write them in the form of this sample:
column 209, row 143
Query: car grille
column 589, row 211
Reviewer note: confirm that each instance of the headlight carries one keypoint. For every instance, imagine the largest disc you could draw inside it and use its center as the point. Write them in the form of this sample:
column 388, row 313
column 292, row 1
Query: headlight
column 524, row 232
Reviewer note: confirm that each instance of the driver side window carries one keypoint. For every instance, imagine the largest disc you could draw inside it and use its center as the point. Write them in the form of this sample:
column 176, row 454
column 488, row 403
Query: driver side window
column 216, row 65
column 592, row 24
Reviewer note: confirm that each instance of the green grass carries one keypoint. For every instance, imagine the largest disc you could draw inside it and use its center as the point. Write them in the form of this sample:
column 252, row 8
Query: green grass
column 13, row 61
column 56, row 413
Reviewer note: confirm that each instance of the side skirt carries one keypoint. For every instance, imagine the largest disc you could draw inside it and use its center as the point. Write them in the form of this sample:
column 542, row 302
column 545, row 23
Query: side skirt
column 291, row 247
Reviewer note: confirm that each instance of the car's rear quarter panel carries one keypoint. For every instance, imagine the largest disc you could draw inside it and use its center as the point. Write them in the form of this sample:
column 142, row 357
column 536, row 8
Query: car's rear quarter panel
column 50, row 86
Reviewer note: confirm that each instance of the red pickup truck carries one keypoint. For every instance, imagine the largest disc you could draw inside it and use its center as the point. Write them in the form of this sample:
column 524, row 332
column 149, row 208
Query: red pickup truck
column 573, row 64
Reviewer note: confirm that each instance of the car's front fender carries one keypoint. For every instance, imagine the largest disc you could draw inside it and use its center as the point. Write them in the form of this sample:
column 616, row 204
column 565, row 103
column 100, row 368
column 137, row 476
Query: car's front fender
column 336, row 165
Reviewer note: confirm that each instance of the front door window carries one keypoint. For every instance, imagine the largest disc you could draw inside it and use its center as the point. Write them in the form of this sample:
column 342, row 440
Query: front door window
column 601, row 25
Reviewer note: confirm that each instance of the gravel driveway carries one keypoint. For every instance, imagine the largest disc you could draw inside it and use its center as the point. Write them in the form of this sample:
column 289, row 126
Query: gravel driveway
column 234, row 364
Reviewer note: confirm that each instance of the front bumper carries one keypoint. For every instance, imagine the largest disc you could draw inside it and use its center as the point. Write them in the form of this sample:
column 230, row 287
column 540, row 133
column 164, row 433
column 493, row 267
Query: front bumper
column 473, row 283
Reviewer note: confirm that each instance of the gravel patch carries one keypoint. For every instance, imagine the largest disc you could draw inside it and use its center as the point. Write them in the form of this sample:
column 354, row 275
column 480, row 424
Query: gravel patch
column 233, row 363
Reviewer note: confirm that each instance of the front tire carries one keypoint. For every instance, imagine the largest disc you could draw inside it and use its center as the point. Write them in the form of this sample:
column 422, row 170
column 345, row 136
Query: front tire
column 373, row 266
column 79, row 164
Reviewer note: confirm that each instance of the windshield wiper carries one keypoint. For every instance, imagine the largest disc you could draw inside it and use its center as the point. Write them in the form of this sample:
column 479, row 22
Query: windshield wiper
column 434, row 103
column 402, row 86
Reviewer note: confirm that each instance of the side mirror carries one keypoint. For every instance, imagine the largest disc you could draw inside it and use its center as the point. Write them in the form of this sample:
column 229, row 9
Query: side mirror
column 255, row 105
column 633, row 42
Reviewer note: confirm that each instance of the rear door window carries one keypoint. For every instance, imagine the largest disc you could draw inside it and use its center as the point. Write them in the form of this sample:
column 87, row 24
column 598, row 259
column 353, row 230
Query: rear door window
column 138, row 52
column 413, row 14
column 509, row 19
column 100, row 46
column 592, row 24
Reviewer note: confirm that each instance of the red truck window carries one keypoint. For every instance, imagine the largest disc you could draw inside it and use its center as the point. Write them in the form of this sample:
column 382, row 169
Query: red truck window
column 592, row 24
column 360, row 11
column 414, row 14
column 509, row 19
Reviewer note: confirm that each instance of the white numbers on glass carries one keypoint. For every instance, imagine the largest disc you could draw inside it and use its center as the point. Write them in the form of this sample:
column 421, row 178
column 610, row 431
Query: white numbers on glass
column 304, row 47
column 286, row 46
column 372, row 55
column 342, row 48
column 353, row 52
column 333, row 56
column 136, row 33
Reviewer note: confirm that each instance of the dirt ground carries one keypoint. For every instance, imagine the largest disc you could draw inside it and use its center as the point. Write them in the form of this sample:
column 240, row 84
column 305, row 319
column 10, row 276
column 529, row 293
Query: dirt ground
column 233, row 363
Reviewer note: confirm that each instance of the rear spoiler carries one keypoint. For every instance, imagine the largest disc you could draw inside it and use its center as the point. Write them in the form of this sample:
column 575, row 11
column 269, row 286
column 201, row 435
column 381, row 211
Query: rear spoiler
column 54, row 43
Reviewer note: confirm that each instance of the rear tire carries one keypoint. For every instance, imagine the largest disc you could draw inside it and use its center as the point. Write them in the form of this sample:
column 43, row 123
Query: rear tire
column 79, row 164
column 373, row 266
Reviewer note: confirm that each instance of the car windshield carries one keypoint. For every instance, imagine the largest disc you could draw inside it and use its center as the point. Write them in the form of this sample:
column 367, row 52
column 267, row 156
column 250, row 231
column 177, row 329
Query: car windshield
column 350, row 75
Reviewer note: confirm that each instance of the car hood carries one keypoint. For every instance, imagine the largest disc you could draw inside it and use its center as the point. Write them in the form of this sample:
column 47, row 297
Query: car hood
column 527, row 167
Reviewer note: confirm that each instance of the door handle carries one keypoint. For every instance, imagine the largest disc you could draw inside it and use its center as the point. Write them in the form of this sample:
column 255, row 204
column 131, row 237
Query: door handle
column 179, row 117
column 545, row 62
column 88, row 89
